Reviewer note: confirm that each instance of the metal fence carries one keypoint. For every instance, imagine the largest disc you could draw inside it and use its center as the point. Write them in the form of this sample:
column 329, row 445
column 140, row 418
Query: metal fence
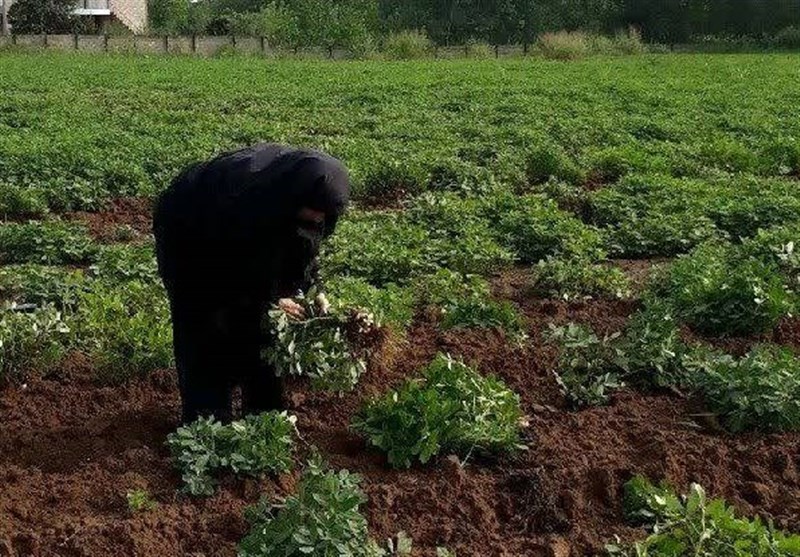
column 214, row 45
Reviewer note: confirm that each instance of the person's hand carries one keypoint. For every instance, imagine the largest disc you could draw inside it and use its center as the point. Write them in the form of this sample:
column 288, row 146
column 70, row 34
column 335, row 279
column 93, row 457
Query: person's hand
column 323, row 304
column 292, row 308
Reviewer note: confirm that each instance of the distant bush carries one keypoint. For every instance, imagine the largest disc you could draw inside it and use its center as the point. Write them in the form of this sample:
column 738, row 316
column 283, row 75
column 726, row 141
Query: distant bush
column 629, row 42
column 452, row 408
column 788, row 37
column 407, row 45
column 564, row 45
column 476, row 49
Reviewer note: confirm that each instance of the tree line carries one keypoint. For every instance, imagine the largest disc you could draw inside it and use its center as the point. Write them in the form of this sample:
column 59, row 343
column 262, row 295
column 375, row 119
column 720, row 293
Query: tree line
column 359, row 24
column 345, row 22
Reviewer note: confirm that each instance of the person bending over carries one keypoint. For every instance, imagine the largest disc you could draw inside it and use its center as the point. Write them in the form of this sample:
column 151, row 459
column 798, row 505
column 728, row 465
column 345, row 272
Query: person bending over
column 235, row 235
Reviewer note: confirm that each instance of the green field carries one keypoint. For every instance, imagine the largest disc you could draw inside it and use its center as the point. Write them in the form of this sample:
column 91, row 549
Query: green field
column 606, row 247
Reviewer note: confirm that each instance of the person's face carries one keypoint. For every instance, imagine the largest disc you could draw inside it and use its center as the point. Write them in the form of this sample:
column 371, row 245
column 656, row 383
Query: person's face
column 310, row 223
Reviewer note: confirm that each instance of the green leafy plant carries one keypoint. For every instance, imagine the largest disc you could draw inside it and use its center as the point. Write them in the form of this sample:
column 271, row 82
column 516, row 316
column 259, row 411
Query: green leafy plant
column 49, row 242
column 718, row 290
column 125, row 329
column 534, row 228
column 126, row 262
column 30, row 339
column 587, row 369
column 323, row 519
column 254, row 445
column 452, row 408
column 695, row 525
column 380, row 248
column 329, row 348
column 42, row 284
column 139, row 500
column 760, row 391
column 576, row 279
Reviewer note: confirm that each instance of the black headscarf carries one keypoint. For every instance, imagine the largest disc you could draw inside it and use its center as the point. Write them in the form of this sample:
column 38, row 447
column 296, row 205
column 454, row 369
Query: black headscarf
column 232, row 221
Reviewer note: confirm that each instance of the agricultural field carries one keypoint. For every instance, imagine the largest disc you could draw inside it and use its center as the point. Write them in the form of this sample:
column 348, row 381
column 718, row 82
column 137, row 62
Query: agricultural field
column 571, row 284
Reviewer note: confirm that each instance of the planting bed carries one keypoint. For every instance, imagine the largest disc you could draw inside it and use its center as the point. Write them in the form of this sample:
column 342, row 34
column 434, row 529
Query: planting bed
column 497, row 205
column 70, row 448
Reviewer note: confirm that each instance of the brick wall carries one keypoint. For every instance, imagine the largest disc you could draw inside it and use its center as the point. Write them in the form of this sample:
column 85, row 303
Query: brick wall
column 132, row 13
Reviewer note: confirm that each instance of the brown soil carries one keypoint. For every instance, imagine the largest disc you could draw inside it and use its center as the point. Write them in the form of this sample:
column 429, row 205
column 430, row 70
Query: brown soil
column 125, row 219
column 70, row 449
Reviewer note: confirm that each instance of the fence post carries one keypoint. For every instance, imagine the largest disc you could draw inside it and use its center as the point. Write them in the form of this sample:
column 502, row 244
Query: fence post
column 45, row 40
column 105, row 42
column 525, row 48
column 466, row 50
column 194, row 43
column 233, row 41
column 75, row 40
column 330, row 52
column 262, row 44
column 165, row 44
column 497, row 51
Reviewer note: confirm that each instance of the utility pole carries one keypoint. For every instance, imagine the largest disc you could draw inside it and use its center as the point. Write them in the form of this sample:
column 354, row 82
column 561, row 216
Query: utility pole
column 4, row 14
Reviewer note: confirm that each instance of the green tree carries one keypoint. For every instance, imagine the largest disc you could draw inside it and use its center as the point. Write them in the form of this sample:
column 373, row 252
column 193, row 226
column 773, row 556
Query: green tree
column 42, row 16
column 169, row 17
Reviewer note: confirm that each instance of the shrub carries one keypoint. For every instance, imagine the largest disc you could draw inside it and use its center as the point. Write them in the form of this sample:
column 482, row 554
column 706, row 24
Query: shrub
column 452, row 408
column 564, row 45
column 42, row 16
column 50, row 242
column 760, row 391
column 323, row 519
column 126, row 329
column 788, row 37
column 30, row 339
column 476, row 49
column 629, row 42
column 328, row 348
column 587, row 370
column 693, row 525
column 407, row 45
column 254, row 445
column 717, row 290
column 577, row 278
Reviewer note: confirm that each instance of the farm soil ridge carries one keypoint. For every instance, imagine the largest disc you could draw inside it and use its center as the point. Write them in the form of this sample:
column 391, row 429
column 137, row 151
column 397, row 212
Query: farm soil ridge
column 71, row 448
